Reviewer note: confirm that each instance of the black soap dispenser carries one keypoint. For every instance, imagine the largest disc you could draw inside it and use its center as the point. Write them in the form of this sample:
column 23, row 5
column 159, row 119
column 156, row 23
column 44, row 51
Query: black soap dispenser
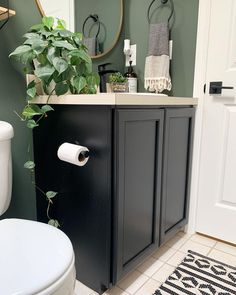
column 132, row 79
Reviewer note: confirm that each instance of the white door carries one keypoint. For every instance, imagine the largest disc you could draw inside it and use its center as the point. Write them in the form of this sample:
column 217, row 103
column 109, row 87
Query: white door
column 216, row 212
column 63, row 9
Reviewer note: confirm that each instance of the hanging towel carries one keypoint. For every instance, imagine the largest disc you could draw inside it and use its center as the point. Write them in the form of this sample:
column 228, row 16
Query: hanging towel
column 157, row 67
column 91, row 45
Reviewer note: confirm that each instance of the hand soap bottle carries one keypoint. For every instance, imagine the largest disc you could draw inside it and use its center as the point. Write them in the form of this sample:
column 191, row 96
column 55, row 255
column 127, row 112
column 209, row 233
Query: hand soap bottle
column 132, row 79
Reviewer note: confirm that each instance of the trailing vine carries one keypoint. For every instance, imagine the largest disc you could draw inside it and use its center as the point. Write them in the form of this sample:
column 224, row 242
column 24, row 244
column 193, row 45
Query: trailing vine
column 59, row 63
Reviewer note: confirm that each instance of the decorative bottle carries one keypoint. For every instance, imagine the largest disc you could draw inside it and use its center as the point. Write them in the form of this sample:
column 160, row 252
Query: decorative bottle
column 132, row 79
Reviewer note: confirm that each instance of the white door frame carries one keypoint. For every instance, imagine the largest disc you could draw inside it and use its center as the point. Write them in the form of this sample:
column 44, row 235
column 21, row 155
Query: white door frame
column 204, row 14
column 72, row 13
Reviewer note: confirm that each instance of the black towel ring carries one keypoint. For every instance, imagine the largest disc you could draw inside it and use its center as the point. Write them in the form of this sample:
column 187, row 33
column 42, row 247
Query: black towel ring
column 163, row 2
column 95, row 18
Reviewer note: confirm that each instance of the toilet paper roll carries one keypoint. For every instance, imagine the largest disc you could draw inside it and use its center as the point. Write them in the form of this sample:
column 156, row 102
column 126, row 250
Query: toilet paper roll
column 74, row 154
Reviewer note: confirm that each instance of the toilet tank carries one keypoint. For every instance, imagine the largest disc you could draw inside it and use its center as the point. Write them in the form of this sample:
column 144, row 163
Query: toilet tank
column 6, row 134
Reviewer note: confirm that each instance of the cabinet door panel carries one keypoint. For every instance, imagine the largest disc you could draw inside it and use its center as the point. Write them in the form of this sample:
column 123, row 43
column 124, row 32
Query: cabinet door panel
column 138, row 185
column 139, row 150
column 176, row 170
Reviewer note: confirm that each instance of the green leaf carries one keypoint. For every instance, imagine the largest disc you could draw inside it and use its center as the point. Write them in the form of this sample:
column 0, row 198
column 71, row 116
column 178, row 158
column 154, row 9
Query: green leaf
column 92, row 90
column 46, row 108
column 81, row 54
column 54, row 222
column 61, row 88
column 30, row 111
column 51, row 54
column 42, row 59
column 82, row 69
column 31, row 35
column 61, row 24
column 85, row 56
column 63, row 44
column 51, row 194
column 93, row 79
column 31, row 89
column 65, row 33
column 60, row 64
column 44, row 72
column 31, row 84
column 48, row 34
column 23, row 54
column 48, row 22
column 32, row 124
column 78, row 37
column 79, row 83
column 20, row 50
column 37, row 27
column 29, row 165
column 37, row 45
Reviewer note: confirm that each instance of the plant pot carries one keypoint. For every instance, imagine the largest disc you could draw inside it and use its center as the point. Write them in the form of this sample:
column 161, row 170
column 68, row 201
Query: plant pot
column 39, row 86
column 119, row 87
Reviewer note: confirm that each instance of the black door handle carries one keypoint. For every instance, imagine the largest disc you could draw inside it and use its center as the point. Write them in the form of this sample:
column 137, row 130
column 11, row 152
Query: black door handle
column 216, row 87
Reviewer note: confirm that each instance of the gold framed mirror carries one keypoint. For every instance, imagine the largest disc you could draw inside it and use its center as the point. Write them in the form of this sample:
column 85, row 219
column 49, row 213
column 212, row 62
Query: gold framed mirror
column 45, row 9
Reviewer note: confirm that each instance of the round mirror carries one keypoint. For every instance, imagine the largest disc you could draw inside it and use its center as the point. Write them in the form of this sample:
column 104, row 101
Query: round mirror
column 100, row 21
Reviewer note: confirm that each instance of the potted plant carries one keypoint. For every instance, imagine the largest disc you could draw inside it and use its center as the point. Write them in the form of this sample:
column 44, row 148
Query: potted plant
column 118, row 82
column 58, row 62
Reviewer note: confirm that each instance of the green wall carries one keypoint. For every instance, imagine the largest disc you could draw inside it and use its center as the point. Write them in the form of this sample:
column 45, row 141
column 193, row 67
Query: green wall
column 136, row 28
column 12, row 97
column 183, row 34
column 110, row 17
column 109, row 21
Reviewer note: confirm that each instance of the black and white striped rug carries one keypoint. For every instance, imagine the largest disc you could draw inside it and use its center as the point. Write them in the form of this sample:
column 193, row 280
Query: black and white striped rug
column 200, row 275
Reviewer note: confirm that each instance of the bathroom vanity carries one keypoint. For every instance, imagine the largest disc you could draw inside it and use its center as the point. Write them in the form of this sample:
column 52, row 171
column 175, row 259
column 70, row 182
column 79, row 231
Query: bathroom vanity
column 133, row 194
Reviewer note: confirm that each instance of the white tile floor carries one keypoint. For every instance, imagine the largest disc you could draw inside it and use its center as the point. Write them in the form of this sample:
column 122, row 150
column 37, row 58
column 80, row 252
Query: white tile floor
column 155, row 270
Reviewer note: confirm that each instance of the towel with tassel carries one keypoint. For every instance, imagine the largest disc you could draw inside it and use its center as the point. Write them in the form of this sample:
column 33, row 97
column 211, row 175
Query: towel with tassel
column 157, row 67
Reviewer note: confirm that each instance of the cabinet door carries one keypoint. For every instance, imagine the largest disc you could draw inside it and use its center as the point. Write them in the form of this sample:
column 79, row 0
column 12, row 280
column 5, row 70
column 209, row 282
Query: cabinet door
column 177, row 152
column 138, row 153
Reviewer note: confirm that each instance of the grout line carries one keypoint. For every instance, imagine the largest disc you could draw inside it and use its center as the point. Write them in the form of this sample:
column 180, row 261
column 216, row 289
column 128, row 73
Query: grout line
column 223, row 252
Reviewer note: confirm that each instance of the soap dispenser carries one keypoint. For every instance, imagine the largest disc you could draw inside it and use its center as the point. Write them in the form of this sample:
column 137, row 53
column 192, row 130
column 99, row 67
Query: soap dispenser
column 132, row 79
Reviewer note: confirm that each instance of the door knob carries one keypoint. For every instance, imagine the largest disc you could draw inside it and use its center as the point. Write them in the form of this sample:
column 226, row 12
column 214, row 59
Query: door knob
column 216, row 87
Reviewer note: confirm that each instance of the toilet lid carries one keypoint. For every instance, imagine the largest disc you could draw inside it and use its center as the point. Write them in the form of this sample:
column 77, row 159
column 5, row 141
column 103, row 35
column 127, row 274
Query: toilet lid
column 33, row 256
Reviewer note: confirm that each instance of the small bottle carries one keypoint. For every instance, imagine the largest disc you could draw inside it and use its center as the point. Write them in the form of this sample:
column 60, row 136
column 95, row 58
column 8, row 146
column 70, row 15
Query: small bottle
column 132, row 79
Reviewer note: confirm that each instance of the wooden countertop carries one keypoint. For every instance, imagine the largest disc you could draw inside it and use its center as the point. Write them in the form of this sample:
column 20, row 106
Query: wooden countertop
column 117, row 99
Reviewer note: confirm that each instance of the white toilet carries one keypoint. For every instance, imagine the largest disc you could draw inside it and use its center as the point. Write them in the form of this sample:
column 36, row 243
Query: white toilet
column 35, row 258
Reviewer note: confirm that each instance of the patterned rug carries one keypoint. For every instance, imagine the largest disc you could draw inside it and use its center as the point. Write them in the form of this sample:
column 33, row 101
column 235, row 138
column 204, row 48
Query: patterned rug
column 200, row 275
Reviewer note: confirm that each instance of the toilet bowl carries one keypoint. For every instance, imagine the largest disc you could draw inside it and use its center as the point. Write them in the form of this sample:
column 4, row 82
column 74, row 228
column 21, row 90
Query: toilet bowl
column 35, row 258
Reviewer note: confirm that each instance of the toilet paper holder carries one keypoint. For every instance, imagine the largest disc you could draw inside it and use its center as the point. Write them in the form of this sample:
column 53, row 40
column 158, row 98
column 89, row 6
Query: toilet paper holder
column 75, row 154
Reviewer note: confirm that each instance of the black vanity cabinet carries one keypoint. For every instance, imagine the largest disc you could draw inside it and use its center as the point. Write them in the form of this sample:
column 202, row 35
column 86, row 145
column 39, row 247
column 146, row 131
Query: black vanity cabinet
column 138, row 160
column 133, row 193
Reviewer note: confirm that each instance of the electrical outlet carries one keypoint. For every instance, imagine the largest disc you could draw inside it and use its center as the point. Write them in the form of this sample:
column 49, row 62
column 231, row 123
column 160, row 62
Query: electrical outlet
column 133, row 56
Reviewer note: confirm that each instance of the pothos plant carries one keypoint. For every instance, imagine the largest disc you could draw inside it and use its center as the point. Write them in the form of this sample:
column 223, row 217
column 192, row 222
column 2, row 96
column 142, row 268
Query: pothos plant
column 60, row 61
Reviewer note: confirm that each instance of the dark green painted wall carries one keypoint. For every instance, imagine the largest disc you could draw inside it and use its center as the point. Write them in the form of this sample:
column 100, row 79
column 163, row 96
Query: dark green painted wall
column 183, row 34
column 110, row 17
column 136, row 28
column 12, row 97
column 109, row 21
